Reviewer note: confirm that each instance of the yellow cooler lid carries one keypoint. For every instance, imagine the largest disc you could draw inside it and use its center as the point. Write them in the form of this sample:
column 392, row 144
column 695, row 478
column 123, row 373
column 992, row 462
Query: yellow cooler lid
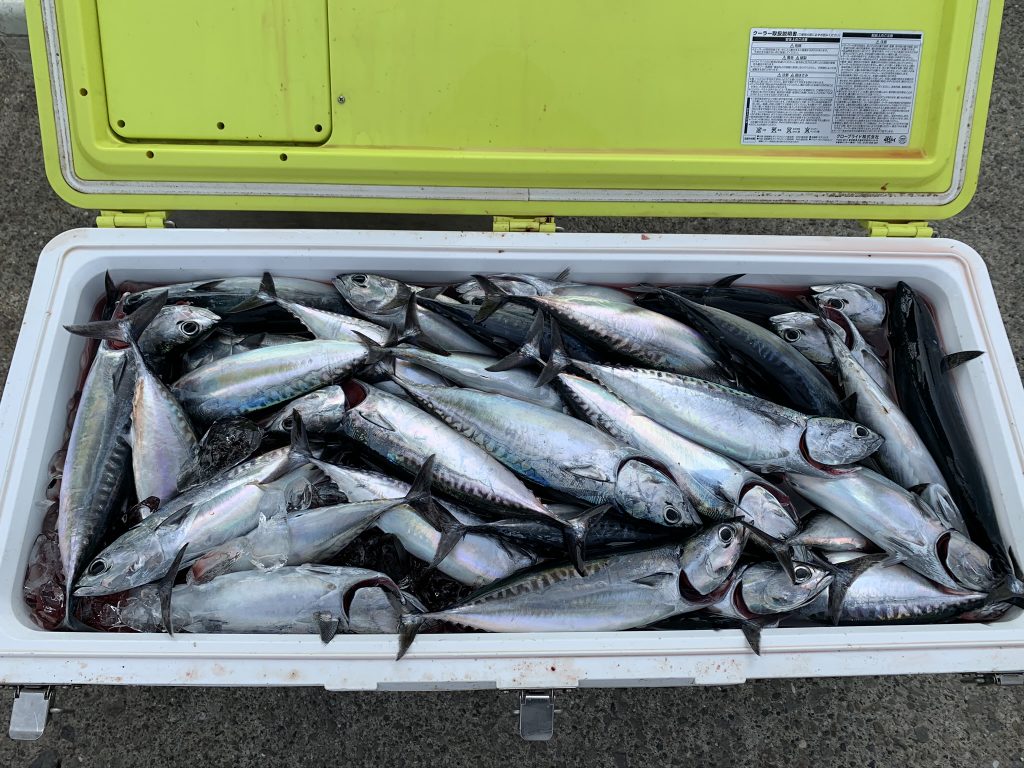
column 871, row 110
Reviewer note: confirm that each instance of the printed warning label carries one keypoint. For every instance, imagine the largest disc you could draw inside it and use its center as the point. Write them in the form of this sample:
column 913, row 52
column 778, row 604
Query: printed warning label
column 831, row 87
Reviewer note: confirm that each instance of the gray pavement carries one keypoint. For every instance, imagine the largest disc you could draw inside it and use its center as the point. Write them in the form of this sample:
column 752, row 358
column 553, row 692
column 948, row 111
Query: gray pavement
column 857, row 722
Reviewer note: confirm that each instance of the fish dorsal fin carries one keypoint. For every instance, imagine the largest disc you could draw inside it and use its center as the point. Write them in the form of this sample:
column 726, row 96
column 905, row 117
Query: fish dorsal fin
column 563, row 276
column 956, row 359
column 725, row 282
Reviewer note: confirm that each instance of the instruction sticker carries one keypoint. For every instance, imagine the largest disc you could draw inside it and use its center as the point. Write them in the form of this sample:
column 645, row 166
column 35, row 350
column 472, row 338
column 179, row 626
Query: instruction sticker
column 831, row 87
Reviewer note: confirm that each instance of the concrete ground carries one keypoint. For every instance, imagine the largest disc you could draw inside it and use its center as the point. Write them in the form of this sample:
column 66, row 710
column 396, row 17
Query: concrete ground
column 857, row 722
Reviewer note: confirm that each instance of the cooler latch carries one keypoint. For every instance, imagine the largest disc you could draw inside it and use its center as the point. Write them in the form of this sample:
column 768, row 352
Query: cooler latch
column 524, row 224
column 133, row 219
column 536, row 715
column 30, row 712
column 898, row 228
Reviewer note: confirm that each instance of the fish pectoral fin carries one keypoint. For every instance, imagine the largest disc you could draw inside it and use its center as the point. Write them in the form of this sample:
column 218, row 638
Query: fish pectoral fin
column 654, row 579
column 175, row 518
column 752, row 629
column 377, row 419
column 588, row 472
column 956, row 359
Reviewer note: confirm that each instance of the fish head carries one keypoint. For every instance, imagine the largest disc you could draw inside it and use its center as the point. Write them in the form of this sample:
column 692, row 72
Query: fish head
column 864, row 307
column 372, row 293
column 835, row 442
column 968, row 564
column 765, row 588
column 763, row 509
column 646, row 493
column 177, row 326
column 707, row 559
column 801, row 331
column 321, row 411
column 131, row 561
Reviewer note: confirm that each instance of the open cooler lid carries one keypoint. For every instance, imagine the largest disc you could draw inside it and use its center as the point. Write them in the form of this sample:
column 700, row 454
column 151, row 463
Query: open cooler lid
column 871, row 110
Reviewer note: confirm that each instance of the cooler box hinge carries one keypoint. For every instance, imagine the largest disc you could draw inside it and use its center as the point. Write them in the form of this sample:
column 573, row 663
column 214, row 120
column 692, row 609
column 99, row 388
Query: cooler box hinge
column 995, row 678
column 898, row 228
column 524, row 224
column 133, row 219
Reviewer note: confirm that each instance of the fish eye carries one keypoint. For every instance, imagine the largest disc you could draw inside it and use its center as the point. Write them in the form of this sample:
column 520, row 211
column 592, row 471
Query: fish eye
column 726, row 534
column 861, row 431
column 801, row 574
column 189, row 327
column 672, row 516
column 287, row 422
column 836, row 303
column 791, row 334
column 97, row 567
column 359, row 279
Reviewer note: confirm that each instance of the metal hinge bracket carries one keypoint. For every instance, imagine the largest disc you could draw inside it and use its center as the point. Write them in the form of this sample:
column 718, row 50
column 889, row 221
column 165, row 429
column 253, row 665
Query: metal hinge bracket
column 898, row 228
column 30, row 711
column 524, row 224
column 536, row 715
column 995, row 678
column 133, row 219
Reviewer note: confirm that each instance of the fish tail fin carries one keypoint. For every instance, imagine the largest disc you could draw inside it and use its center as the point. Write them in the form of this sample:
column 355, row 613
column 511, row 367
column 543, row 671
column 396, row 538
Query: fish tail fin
column 410, row 625
column 495, row 297
column 558, row 359
column 575, row 534
column 264, row 295
column 843, row 576
column 419, row 491
column 412, row 332
column 301, row 451
column 110, row 292
column 777, row 547
column 126, row 330
column 528, row 352
column 374, row 352
column 166, row 588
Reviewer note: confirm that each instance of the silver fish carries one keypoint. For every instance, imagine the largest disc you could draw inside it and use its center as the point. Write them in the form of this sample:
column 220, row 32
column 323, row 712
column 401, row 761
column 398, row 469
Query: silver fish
column 864, row 307
column 619, row 592
column 98, row 451
column 152, row 547
column 560, row 452
column 224, row 294
column 323, row 324
column 830, row 534
column 765, row 589
column 305, row 599
column 717, row 487
column 761, row 434
column 468, row 370
column 262, row 378
column 406, row 436
column 530, row 285
column 880, row 593
column 900, row 524
column 384, row 300
column 903, row 456
column 176, row 328
column 165, row 449
column 222, row 344
column 476, row 560
column 640, row 334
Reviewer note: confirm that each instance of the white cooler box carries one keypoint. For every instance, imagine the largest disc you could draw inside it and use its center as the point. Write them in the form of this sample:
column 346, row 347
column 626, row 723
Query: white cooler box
column 46, row 363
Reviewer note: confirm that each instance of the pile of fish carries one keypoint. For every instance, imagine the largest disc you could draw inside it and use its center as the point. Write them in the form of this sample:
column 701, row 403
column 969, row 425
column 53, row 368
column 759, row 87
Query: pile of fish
column 514, row 454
